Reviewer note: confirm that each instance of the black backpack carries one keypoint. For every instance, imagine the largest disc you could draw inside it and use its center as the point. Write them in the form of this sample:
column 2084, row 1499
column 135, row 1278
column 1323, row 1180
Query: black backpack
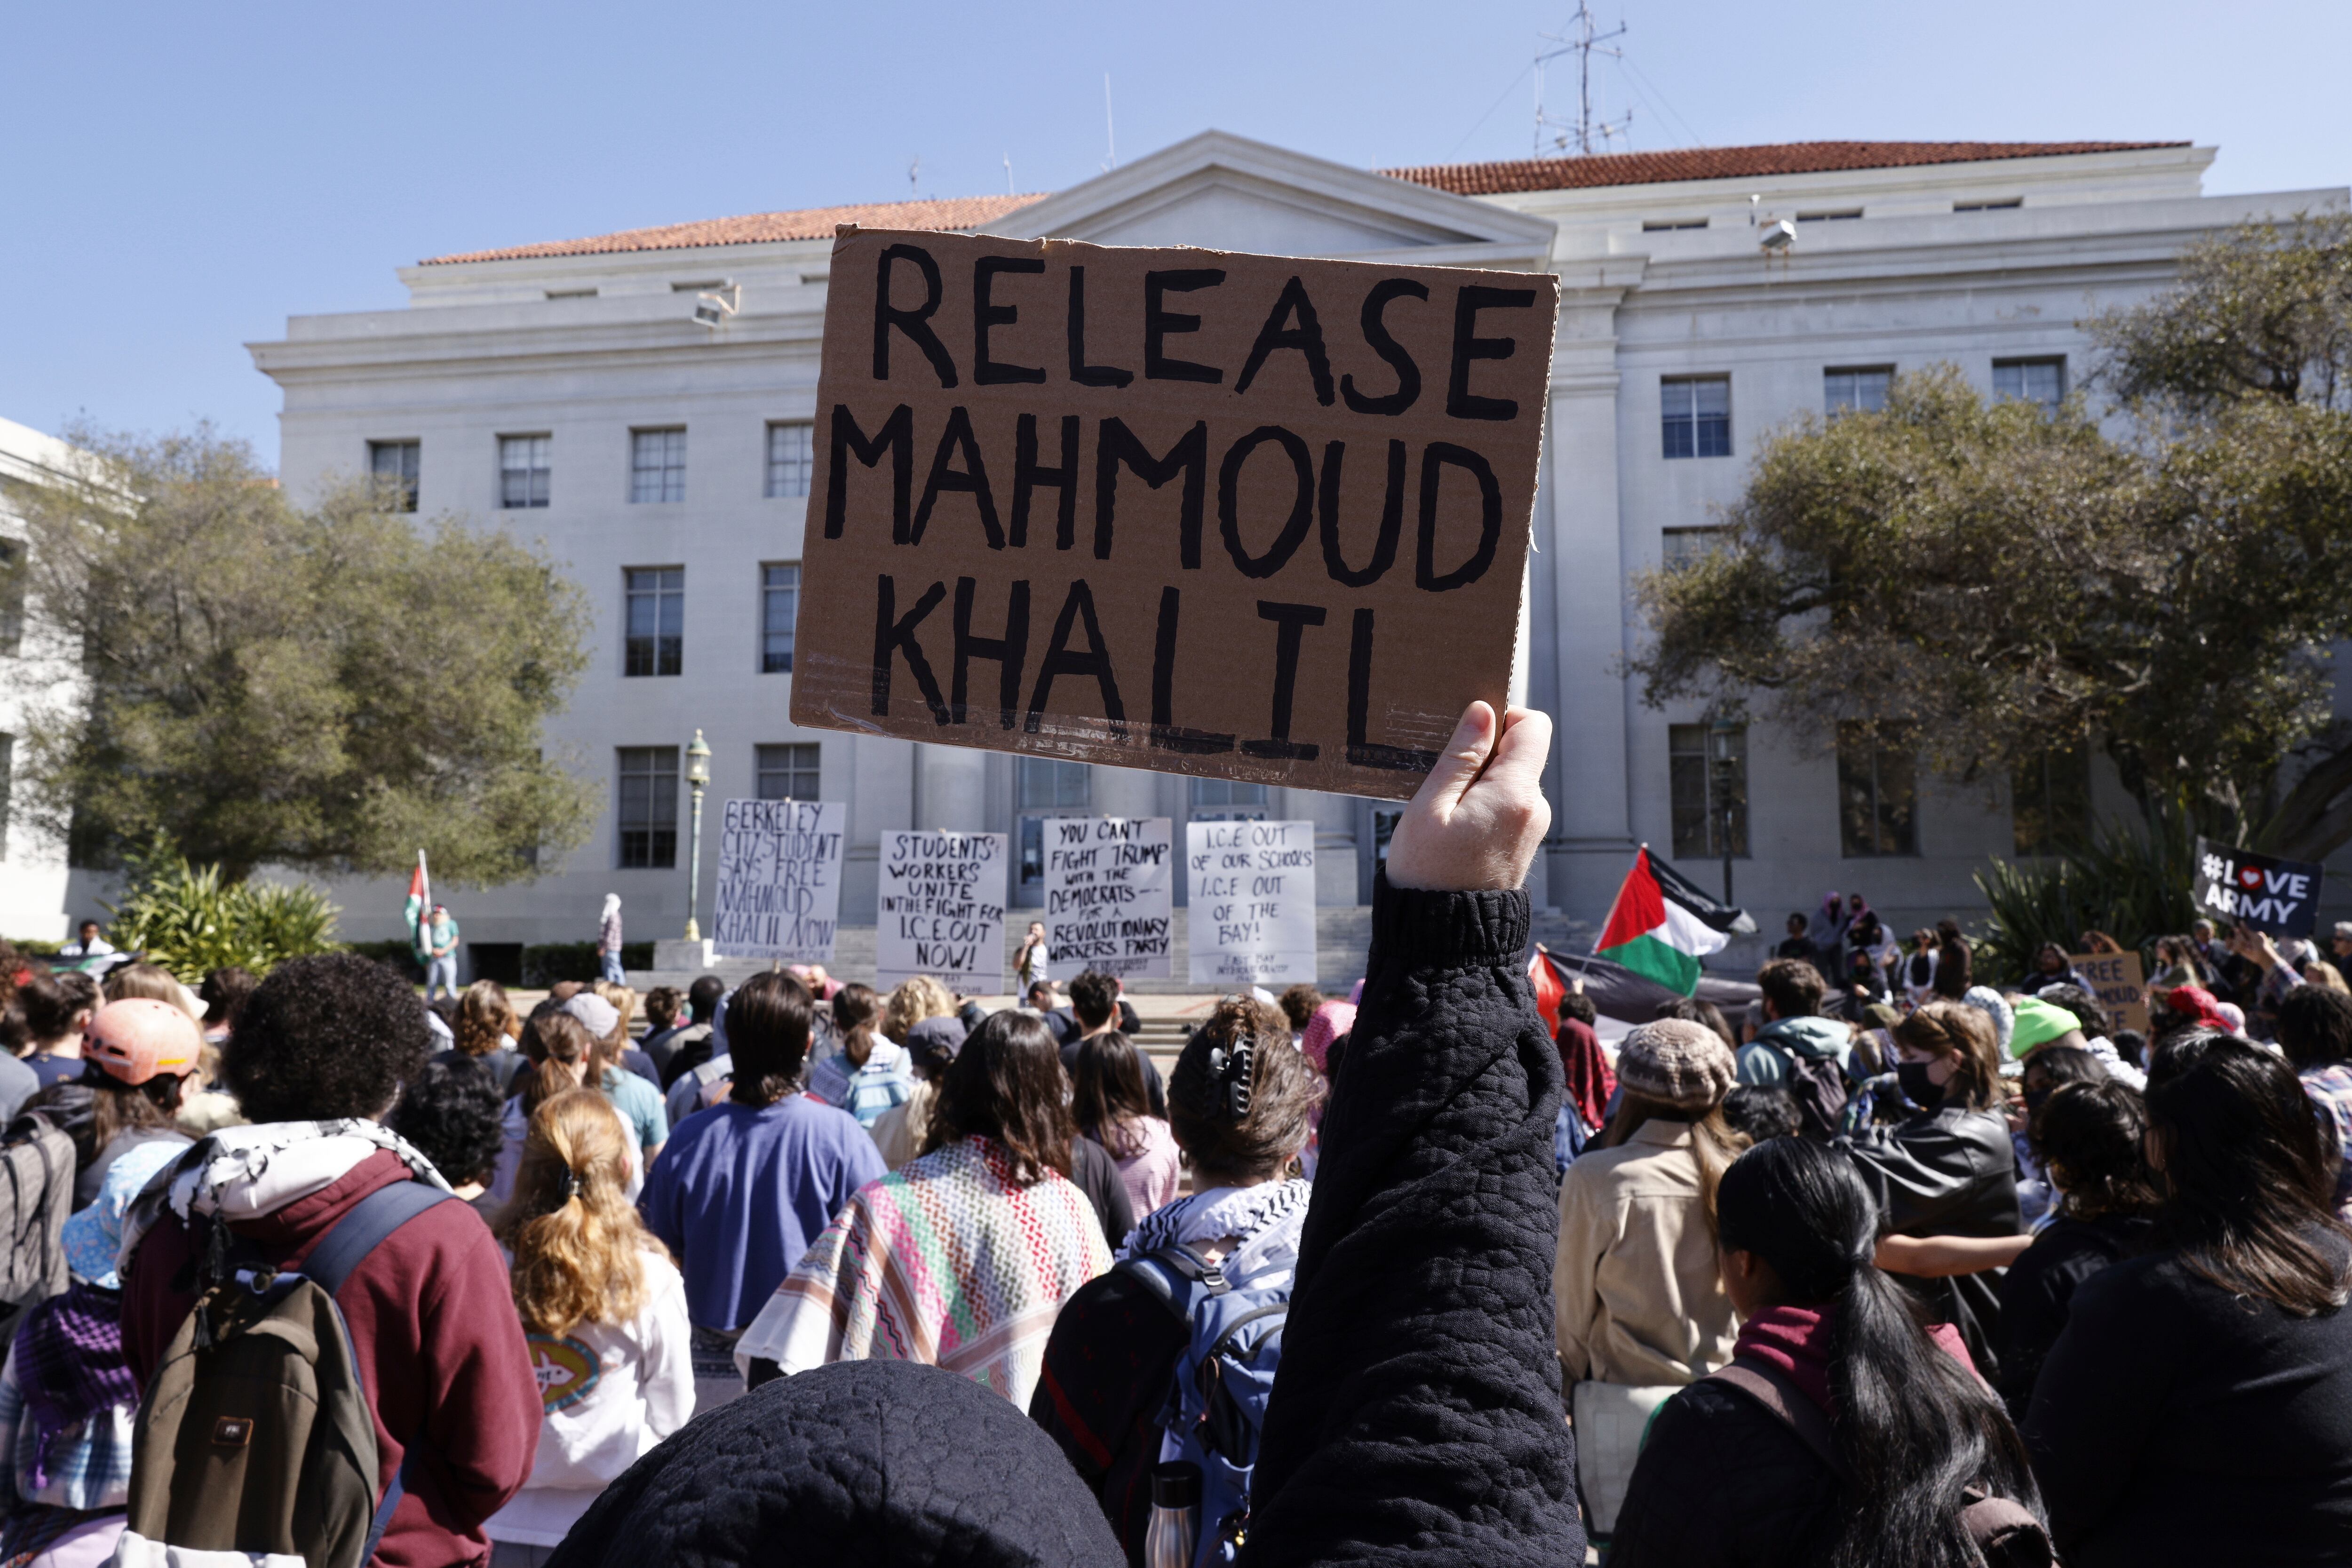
column 2006, row 1533
column 1818, row 1086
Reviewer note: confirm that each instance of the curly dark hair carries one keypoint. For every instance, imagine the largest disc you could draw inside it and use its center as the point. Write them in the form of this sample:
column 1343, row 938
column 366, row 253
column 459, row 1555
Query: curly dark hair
column 1007, row 1083
column 450, row 1111
column 330, row 1036
column 1223, row 1149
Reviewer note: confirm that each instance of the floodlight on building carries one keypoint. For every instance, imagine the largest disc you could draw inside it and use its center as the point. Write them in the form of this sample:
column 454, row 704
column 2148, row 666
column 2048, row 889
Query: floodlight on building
column 711, row 309
column 1778, row 235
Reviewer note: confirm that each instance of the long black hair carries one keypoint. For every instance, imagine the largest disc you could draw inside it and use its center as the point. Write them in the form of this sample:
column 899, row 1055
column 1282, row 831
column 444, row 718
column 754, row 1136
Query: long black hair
column 1913, row 1427
column 2250, row 1179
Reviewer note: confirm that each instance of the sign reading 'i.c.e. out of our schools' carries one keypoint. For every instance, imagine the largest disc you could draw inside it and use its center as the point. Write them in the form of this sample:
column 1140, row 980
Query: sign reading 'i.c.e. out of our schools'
column 1243, row 516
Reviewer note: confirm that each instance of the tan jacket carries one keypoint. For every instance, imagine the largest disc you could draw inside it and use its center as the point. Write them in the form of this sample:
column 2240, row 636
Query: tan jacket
column 1638, row 1295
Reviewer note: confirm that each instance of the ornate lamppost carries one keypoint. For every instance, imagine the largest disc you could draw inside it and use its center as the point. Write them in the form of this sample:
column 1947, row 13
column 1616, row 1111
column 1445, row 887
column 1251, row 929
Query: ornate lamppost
column 697, row 775
column 1724, row 765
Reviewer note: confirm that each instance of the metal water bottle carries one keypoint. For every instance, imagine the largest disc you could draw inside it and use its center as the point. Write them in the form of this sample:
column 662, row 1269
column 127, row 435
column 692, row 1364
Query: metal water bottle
column 1175, row 1531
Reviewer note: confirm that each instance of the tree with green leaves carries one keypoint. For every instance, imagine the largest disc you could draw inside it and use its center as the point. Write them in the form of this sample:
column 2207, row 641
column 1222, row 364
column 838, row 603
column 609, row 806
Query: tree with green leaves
column 259, row 683
column 2163, row 576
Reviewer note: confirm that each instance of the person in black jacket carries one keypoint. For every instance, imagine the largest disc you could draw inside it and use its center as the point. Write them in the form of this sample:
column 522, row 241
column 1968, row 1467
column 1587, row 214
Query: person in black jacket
column 2196, row 1408
column 1416, row 1419
column 1723, row 1481
column 2088, row 1135
column 1948, row 1169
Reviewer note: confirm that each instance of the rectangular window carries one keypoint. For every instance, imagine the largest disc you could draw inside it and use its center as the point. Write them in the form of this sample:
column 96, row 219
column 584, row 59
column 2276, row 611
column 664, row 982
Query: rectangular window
column 1680, row 547
column 1668, row 225
column 1877, row 791
column 655, row 642
column 657, row 465
column 12, row 595
column 2041, row 381
column 1830, row 217
column 2050, row 801
column 1227, row 800
column 522, row 470
column 1044, row 785
column 792, row 457
column 1696, row 410
column 1989, row 207
column 1701, row 792
column 648, row 806
column 394, row 465
column 788, row 773
column 1859, row 390
column 780, row 613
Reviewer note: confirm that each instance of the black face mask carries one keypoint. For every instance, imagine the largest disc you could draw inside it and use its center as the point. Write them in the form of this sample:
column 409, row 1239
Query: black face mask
column 1918, row 1087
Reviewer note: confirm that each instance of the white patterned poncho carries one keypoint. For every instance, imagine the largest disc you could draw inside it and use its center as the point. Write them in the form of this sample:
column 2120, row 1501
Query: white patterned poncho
column 947, row 1260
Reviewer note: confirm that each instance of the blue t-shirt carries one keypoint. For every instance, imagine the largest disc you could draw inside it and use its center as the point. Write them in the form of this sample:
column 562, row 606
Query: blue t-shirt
column 738, row 1194
column 640, row 1105
column 55, row 1069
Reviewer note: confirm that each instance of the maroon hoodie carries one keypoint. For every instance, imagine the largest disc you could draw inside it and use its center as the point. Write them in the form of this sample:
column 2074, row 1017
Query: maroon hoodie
column 440, row 1351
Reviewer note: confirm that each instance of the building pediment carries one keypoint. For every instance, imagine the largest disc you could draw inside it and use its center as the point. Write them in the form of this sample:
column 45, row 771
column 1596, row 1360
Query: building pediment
column 1228, row 192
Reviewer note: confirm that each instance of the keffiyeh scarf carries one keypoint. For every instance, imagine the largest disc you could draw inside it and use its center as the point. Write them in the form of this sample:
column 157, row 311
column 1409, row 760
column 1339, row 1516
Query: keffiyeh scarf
column 1263, row 1221
column 244, row 1173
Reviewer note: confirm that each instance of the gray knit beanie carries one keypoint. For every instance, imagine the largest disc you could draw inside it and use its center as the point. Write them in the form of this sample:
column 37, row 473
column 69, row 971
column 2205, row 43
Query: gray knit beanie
column 1678, row 1063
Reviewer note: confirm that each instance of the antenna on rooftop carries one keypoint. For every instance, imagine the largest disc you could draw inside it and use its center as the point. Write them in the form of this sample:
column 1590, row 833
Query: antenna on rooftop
column 914, row 169
column 1583, row 135
column 1110, row 131
column 1008, row 176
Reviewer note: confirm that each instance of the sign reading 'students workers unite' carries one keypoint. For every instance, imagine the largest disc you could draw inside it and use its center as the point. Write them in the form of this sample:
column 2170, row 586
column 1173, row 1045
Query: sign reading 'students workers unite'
column 940, row 910
column 1242, row 516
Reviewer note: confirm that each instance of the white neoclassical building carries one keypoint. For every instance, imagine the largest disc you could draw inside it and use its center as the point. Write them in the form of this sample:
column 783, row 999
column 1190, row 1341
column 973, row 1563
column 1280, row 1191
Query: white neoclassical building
column 569, row 390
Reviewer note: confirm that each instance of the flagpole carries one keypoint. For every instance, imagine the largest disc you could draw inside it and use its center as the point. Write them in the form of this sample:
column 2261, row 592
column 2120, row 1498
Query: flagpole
column 1616, row 897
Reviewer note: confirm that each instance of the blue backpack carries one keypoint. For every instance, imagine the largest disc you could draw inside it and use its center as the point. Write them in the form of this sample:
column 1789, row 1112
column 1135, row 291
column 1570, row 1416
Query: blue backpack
column 1225, row 1376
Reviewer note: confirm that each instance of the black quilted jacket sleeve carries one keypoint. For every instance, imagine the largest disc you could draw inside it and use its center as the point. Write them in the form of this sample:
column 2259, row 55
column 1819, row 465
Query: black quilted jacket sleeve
column 1416, row 1418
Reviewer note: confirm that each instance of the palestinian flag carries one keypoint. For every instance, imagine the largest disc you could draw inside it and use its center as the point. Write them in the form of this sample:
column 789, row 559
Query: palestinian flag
column 1661, row 926
column 419, row 908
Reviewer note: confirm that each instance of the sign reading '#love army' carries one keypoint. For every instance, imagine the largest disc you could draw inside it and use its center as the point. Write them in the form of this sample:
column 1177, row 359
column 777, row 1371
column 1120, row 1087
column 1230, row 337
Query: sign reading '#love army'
column 2281, row 897
column 1245, row 516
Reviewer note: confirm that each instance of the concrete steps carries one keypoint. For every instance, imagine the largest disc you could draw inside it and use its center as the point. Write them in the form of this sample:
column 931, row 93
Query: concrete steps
column 1343, row 934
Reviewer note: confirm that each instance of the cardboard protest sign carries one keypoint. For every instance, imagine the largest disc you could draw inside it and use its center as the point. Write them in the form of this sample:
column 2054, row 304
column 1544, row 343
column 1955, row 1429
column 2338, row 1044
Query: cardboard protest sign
column 941, row 910
column 2281, row 897
column 779, row 879
column 1203, row 512
column 1252, row 892
column 1109, row 902
column 2119, row 984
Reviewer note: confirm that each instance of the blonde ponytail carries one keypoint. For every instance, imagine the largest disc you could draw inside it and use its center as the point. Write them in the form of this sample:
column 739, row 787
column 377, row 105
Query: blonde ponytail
column 579, row 1248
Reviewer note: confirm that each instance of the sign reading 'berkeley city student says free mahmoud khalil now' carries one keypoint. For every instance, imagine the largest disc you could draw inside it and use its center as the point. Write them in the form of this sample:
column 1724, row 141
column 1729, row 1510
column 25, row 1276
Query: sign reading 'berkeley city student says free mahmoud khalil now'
column 1242, row 516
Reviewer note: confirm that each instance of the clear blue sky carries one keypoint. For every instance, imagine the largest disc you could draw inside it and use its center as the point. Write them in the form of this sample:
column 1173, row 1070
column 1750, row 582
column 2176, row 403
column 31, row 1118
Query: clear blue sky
column 184, row 177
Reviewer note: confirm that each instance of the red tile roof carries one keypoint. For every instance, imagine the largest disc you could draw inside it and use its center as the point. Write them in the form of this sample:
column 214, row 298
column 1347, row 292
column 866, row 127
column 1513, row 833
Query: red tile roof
column 1731, row 163
column 947, row 213
column 940, row 213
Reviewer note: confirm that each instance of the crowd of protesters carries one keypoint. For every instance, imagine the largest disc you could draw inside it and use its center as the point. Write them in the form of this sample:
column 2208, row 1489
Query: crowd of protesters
column 1911, row 1263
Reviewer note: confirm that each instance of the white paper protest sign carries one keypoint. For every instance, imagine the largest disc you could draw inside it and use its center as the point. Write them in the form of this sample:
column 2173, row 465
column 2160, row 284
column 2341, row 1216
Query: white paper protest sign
column 779, row 879
column 941, row 910
column 1110, row 900
column 1252, row 892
